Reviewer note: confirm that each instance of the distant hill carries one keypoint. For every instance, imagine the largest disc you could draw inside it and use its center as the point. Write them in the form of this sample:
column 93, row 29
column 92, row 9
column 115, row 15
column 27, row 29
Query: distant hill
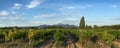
column 58, row 26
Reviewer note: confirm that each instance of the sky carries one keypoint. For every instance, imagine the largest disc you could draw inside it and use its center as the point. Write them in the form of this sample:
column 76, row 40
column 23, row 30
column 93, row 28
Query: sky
column 39, row 12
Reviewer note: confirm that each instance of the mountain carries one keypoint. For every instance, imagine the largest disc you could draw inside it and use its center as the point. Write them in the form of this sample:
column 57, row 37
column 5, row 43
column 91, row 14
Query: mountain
column 60, row 25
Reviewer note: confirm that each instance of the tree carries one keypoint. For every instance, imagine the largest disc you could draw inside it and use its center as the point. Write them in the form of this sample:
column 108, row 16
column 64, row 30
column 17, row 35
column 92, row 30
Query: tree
column 82, row 23
column 95, row 27
column 88, row 27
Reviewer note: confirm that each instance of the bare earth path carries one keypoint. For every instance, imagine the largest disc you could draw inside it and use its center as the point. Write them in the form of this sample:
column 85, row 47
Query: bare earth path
column 70, row 41
column 46, row 44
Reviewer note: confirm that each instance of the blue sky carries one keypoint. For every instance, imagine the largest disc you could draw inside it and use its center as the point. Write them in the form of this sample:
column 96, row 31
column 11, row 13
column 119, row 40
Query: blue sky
column 38, row 12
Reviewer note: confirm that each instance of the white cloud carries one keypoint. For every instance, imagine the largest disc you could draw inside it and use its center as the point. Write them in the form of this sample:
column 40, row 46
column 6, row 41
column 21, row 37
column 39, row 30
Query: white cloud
column 17, row 6
column 72, row 21
column 85, row 6
column 3, row 17
column 16, row 18
column 13, row 12
column 114, row 6
column 34, row 3
column 75, row 7
column 70, row 18
column 68, row 7
column 54, row 19
column 12, row 18
column 35, row 22
column 8, row 16
column 4, row 13
column 13, row 9
column 45, row 16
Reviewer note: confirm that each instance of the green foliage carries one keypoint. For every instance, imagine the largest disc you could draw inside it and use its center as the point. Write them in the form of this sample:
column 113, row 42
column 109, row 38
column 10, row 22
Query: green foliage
column 108, row 38
column 88, row 27
column 115, row 33
column 75, row 33
column 31, row 34
column 20, row 35
column 59, row 35
column 15, row 35
column 85, row 35
column 40, row 34
column 2, row 36
column 8, row 36
column 95, row 27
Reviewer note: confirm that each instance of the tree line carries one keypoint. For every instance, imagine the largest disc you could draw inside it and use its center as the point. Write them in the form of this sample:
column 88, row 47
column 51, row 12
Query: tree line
column 82, row 25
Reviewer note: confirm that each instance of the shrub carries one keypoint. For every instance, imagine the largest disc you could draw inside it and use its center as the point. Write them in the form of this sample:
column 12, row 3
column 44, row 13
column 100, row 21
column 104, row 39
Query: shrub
column 40, row 34
column 59, row 35
column 86, row 35
column 15, row 35
column 75, row 33
column 115, row 33
column 8, row 35
column 2, row 36
column 31, row 34
column 108, row 38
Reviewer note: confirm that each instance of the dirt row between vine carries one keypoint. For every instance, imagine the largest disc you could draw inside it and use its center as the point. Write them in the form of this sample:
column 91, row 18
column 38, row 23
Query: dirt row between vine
column 69, row 43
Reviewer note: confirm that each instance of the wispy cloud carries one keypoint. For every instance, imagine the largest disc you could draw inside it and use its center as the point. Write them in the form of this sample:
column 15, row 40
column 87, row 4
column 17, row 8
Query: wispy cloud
column 54, row 19
column 86, row 6
column 70, row 18
column 116, row 18
column 44, row 16
column 74, row 7
column 34, row 3
column 12, row 18
column 114, row 6
column 35, row 22
column 11, row 15
column 4, row 13
column 17, row 6
column 68, row 7
column 13, row 12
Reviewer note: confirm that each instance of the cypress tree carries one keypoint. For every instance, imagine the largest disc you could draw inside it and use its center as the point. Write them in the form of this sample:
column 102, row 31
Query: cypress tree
column 82, row 23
